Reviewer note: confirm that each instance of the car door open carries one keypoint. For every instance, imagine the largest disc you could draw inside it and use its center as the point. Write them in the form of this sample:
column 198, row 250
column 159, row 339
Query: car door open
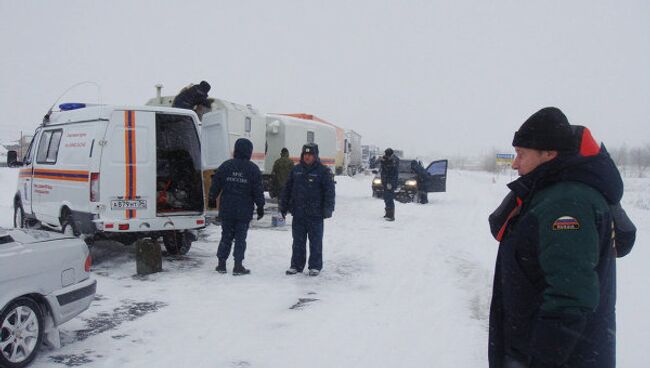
column 437, row 171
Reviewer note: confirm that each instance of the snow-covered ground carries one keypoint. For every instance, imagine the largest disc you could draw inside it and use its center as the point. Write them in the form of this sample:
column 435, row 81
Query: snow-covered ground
column 413, row 293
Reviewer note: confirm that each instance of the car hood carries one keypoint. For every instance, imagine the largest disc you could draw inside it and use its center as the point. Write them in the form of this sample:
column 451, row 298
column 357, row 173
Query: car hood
column 29, row 236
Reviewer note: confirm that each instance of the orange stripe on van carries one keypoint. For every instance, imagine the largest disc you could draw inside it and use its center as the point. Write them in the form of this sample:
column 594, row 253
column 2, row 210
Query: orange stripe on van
column 54, row 174
column 129, row 159
column 258, row 156
column 25, row 173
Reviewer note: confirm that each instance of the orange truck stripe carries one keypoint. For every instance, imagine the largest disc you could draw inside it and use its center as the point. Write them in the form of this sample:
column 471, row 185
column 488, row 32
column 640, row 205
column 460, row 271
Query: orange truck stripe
column 129, row 159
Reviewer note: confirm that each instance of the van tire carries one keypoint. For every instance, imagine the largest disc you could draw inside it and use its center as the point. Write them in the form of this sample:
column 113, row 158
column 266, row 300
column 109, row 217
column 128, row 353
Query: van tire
column 67, row 224
column 177, row 242
column 19, row 216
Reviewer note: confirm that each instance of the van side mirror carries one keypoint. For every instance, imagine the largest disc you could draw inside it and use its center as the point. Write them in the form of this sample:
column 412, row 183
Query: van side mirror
column 12, row 159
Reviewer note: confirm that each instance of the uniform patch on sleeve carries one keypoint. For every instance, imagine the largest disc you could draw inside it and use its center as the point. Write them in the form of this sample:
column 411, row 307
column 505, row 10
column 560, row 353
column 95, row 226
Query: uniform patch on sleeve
column 566, row 223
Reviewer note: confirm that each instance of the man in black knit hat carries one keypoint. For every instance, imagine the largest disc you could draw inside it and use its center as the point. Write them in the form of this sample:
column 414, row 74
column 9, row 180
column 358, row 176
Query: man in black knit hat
column 554, row 293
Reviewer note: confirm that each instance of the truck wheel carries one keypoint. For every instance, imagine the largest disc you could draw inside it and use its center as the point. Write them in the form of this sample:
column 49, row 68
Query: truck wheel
column 21, row 333
column 177, row 242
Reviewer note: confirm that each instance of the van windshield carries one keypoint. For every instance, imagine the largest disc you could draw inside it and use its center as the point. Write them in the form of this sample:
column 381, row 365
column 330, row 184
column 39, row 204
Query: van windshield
column 178, row 169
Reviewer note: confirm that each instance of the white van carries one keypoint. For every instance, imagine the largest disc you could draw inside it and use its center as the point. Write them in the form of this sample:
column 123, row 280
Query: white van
column 292, row 132
column 114, row 172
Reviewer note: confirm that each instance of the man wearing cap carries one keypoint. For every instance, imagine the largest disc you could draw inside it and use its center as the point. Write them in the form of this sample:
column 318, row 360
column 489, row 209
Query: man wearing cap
column 389, row 175
column 309, row 196
column 194, row 95
column 239, row 182
column 554, row 286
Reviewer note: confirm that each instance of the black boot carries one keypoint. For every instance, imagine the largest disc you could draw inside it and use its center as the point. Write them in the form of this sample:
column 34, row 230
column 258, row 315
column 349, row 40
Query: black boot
column 390, row 214
column 385, row 212
column 239, row 269
column 221, row 267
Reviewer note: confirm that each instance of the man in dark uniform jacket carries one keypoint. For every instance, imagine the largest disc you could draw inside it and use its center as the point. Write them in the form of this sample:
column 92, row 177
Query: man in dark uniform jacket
column 554, row 292
column 389, row 175
column 309, row 196
column 239, row 182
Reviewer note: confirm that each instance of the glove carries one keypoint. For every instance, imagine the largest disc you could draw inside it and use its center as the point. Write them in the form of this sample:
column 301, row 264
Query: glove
column 260, row 213
column 389, row 186
column 327, row 214
column 212, row 203
column 284, row 214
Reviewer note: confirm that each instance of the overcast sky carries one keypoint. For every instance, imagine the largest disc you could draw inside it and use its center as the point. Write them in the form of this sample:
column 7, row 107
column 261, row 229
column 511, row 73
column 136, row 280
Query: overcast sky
column 427, row 76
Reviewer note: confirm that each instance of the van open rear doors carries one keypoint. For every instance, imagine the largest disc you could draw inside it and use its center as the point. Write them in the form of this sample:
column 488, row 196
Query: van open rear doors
column 215, row 148
column 150, row 166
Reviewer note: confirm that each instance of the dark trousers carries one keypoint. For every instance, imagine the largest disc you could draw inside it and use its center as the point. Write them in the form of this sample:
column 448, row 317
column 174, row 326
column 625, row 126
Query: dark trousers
column 389, row 198
column 233, row 229
column 301, row 228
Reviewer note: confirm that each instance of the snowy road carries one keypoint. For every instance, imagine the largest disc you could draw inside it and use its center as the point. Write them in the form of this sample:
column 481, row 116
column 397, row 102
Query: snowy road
column 411, row 293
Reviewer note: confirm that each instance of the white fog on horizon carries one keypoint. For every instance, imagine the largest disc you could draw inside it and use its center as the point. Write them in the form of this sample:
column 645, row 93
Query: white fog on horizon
column 429, row 77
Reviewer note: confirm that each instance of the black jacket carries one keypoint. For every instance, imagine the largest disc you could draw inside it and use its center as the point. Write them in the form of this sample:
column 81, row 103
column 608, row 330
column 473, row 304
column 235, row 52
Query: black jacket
column 240, row 183
column 554, row 292
column 309, row 191
column 389, row 171
column 190, row 97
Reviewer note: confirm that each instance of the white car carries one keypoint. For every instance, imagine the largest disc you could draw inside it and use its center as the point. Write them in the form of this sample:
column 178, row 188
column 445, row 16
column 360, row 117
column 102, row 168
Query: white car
column 44, row 282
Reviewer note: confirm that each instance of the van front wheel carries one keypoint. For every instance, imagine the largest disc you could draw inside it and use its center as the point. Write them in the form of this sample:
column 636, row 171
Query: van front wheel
column 19, row 216
column 177, row 242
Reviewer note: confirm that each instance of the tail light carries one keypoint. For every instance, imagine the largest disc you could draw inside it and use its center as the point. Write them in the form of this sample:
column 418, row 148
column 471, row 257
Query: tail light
column 89, row 262
column 94, row 187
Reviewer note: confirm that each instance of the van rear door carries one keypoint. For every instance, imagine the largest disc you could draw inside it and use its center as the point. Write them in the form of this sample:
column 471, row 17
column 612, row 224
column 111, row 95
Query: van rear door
column 179, row 182
column 128, row 170
column 215, row 148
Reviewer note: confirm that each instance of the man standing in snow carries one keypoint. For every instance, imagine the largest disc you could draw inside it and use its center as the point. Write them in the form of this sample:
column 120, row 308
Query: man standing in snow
column 239, row 182
column 554, row 291
column 281, row 169
column 309, row 196
column 389, row 175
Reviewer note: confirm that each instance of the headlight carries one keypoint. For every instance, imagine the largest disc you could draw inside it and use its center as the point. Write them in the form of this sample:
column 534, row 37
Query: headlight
column 376, row 181
column 411, row 183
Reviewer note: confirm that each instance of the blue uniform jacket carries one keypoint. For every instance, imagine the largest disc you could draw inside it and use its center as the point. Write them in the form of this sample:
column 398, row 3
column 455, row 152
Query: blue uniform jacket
column 240, row 183
column 309, row 191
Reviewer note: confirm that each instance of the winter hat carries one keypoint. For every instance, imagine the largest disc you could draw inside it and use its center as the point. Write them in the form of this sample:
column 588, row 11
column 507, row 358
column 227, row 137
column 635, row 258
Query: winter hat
column 310, row 148
column 284, row 151
column 204, row 86
column 388, row 152
column 243, row 149
column 547, row 129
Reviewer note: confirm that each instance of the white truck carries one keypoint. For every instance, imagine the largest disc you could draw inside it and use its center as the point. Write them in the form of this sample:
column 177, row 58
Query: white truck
column 290, row 132
column 118, row 172
column 353, row 163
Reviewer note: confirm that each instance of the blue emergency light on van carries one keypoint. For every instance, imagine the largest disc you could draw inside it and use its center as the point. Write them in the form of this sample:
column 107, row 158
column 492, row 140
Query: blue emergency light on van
column 71, row 106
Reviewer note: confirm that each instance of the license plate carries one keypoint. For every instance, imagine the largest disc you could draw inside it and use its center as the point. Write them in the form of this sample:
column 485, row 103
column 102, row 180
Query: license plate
column 128, row 204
